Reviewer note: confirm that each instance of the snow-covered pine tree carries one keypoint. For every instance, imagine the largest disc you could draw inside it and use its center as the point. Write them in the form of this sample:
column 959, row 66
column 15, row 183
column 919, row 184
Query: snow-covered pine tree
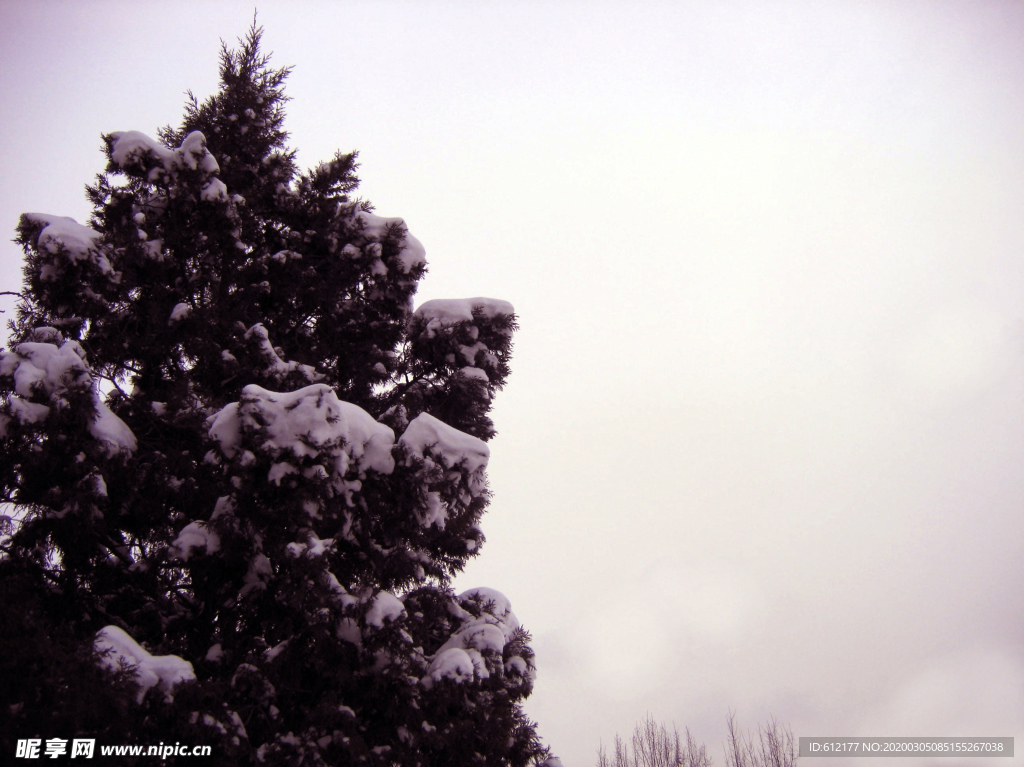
column 244, row 470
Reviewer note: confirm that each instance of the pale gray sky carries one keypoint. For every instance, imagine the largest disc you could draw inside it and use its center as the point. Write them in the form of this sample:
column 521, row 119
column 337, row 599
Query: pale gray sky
column 762, row 444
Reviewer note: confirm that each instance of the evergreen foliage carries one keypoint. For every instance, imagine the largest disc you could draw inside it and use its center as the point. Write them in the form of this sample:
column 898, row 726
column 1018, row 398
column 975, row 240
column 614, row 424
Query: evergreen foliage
column 226, row 434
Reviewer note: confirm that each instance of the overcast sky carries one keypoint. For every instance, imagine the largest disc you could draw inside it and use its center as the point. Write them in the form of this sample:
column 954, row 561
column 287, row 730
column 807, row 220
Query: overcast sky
column 762, row 444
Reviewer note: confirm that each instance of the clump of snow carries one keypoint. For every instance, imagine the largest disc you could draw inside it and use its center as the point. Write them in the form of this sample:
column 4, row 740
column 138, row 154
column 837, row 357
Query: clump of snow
column 195, row 535
column 314, row 547
column 214, row 191
column 435, row 513
column 412, row 254
column 452, row 663
column 281, row 470
column 111, row 430
column 447, row 311
column 474, row 373
column 45, row 367
column 194, row 155
column 164, row 671
column 309, row 423
column 178, row 313
column 463, row 656
column 40, row 369
column 275, row 366
column 259, row 574
column 132, row 150
column 276, row 650
column 348, row 630
column 64, row 234
column 155, row 249
column 434, row 441
column 469, row 334
column 283, row 256
column 384, row 607
column 28, row 412
column 132, row 145
column 497, row 608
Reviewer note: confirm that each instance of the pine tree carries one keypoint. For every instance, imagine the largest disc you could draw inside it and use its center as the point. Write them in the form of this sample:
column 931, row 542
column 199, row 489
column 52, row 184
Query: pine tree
column 245, row 470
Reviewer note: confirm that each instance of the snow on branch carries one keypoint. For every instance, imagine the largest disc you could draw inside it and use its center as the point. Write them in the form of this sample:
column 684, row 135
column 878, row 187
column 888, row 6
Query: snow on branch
column 384, row 606
column 308, row 424
column 134, row 151
column 53, row 374
column 435, row 442
column 63, row 235
column 195, row 535
column 447, row 311
column 275, row 367
column 164, row 671
column 412, row 254
column 463, row 656
column 468, row 336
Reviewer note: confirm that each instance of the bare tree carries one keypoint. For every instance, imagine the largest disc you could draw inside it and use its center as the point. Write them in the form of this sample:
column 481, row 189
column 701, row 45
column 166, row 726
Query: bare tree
column 773, row 747
column 654, row 745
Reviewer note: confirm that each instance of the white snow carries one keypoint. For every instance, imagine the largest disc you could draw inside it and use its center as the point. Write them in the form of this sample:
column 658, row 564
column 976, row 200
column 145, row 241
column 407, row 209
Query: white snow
column 384, row 607
column 135, row 144
column 132, row 147
column 308, row 422
column 279, row 471
column 80, row 243
column 194, row 155
column 276, row 366
column 469, row 352
column 154, row 249
column 516, row 665
column 475, row 373
column 500, row 606
column 413, row 253
column 45, row 368
column 276, row 650
column 432, row 440
column 259, row 573
column 164, row 671
column 111, row 431
column 28, row 412
column 195, row 535
column 436, row 512
column 452, row 663
column 348, row 630
column 214, row 191
column 461, row 657
column 495, row 626
column 179, row 312
column 314, row 547
column 448, row 311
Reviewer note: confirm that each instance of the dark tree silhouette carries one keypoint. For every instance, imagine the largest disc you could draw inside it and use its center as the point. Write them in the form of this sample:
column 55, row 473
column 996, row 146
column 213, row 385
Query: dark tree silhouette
column 243, row 470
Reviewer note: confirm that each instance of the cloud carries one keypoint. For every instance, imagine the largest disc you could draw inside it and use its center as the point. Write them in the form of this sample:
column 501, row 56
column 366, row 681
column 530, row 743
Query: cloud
column 974, row 692
column 634, row 636
column 958, row 349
